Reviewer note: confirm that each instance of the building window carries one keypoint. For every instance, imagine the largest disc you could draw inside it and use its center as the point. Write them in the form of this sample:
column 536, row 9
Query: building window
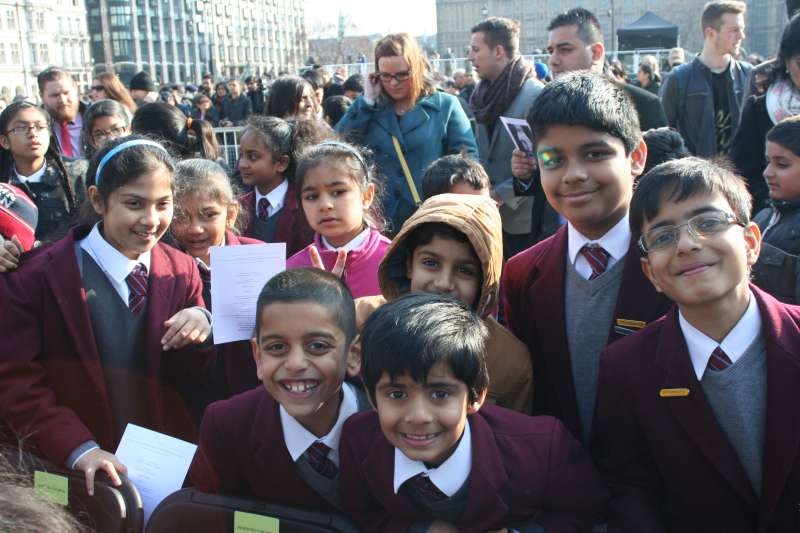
column 11, row 20
column 15, row 54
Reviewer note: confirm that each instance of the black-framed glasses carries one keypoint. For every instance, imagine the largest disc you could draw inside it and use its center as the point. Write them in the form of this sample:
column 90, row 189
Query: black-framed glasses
column 400, row 77
column 98, row 88
column 702, row 225
column 37, row 129
column 113, row 133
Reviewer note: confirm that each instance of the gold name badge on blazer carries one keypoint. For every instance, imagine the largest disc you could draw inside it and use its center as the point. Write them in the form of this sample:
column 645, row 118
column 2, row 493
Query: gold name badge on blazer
column 627, row 323
column 674, row 393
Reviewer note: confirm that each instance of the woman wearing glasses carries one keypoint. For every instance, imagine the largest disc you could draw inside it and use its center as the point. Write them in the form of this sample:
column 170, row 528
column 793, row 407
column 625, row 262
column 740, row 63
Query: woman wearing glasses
column 30, row 160
column 108, row 86
column 406, row 122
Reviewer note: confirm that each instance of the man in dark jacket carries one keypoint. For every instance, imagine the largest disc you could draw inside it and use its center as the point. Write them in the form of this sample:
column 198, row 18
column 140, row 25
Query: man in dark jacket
column 702, row 99
column 236, row 107
column 255, row 92
column 575, row 42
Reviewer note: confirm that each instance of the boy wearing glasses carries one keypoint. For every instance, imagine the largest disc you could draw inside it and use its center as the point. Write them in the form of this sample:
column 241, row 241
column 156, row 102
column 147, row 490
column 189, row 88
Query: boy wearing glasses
column 572, row 294
column 696, row 428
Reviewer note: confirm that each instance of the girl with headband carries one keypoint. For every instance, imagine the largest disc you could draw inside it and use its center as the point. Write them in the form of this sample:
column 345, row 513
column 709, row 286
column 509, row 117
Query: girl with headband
column 99, row 327
column 338, row 193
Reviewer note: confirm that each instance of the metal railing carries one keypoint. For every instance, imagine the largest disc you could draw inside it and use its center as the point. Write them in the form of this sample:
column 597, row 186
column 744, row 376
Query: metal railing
column 228, row 139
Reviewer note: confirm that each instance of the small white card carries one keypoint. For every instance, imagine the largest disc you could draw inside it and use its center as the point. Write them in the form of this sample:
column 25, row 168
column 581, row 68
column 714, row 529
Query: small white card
column 157, row 463
column 238, row 273
column 520, row 133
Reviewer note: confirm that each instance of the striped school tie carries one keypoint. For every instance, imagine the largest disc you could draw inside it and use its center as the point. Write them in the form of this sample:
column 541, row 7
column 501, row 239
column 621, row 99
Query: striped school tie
column 137, row 288
column 719, row 360
column 597, row 258
column 263, row 209
column 318, row 458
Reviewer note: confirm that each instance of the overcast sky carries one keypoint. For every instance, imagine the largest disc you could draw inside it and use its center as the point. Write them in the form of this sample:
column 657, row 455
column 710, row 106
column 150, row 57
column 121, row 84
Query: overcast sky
column 413, row 16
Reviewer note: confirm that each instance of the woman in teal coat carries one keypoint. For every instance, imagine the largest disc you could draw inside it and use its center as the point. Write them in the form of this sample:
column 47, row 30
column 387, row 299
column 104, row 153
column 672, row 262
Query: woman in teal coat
column 400, row 102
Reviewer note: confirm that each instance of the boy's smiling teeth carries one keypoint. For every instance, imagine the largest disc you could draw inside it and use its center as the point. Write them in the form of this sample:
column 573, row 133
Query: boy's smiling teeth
column 420, row 437
column 300, row 386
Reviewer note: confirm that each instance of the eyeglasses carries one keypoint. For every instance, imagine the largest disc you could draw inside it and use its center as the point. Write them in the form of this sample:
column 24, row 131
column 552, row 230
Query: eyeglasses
column 113, row 133
column 702, row 225
column 98, row 88
column 400, row 77
column 37, row 129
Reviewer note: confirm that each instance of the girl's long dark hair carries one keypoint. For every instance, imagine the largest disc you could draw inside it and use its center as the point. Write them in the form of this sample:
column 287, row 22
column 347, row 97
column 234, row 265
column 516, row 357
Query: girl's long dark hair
column 52, row 156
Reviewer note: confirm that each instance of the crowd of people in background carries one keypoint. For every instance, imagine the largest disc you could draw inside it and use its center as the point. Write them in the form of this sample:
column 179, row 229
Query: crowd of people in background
column 595, row 328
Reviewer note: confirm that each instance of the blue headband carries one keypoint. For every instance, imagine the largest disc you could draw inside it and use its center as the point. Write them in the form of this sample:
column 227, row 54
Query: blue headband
column 352, row 150
column 117, row 149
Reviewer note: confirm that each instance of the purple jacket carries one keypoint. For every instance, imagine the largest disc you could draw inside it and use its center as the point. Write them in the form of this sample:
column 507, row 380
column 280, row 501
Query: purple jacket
column 361, row 268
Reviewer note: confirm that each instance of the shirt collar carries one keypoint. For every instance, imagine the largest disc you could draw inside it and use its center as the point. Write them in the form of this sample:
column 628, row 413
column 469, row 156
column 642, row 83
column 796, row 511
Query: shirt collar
column 36, row 177
column 735, row 343
column 109, row 259
column 298, row 439
column 357, row 241
column 448, row 476
column 616, row 241
column 275, row 197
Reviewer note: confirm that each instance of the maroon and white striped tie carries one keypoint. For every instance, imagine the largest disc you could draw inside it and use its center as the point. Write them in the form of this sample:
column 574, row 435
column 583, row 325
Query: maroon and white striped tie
column 719, row 360
column 137, row 288
column 597, row 258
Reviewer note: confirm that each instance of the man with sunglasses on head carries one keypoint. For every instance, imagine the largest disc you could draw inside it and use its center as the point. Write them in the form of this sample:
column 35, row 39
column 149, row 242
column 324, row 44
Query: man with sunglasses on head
column 696, row 426
column 507, row 88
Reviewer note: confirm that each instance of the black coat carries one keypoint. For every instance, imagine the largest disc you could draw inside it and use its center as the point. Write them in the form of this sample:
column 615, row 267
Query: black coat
column 747, row 148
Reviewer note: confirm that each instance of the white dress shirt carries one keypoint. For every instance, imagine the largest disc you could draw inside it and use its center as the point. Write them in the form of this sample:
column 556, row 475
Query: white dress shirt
column 276, row 197
column 112, row 262
column 616, row 242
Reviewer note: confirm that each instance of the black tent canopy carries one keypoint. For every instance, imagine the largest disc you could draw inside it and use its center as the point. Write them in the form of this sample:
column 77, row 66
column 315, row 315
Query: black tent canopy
column 649, row 31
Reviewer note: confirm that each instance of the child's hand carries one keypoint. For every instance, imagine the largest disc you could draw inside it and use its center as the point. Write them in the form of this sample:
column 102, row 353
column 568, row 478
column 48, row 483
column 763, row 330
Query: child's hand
column 522, row 165
column 187, row 326
column 316, row 261
column 439, row 526
column 98, row 459
column 10, row 250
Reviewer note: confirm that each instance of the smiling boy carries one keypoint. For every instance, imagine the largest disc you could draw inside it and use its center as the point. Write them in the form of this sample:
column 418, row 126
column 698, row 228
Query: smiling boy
column 280, row 443
column 433, row 457
column 572, row 294
column 701, row 435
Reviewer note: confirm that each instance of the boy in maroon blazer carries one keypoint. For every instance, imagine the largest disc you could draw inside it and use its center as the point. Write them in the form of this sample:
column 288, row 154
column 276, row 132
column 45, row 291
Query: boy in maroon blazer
column 280, row 442
column 569, row 296
column 432, row 458
column 696, row 428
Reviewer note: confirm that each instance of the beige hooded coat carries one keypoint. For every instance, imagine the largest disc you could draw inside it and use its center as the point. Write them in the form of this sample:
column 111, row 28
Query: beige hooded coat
column 477, row 217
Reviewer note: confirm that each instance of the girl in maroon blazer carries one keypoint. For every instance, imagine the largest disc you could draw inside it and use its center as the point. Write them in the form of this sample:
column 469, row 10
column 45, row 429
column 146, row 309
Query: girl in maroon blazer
column 206, row 213
column 267, row 151
column 94, row 325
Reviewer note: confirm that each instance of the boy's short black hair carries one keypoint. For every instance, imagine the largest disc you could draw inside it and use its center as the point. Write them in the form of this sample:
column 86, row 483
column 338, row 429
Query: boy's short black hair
column 413, row 333
column 663, row 144
column 448, row 170
column 677, row 180
column 310, row 285
column 354, row 83
column 588, row 27
column 586, row 99
column 787, row 134
column 335, row 107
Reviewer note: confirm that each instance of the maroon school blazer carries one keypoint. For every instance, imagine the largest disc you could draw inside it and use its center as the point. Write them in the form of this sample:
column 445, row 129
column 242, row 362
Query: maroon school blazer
column 665, row 458
column 52, row 387
column 523, row 467
column 533, row 291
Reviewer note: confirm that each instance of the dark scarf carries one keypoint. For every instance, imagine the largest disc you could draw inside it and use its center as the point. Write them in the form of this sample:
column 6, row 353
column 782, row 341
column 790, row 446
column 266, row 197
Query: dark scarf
column 490, row 99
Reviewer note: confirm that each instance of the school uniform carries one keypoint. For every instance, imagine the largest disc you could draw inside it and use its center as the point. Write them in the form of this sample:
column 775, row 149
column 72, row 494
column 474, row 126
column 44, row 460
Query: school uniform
column 251, row 447
column 690, row 449
column 536, row 287
column 57, row 386
column 518, row 471
column 285, row 221
column 364, row 255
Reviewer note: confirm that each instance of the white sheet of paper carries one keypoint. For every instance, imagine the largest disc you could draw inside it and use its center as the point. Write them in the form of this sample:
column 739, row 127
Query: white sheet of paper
column 238, row 273
column 520, row 132
column 157, row 463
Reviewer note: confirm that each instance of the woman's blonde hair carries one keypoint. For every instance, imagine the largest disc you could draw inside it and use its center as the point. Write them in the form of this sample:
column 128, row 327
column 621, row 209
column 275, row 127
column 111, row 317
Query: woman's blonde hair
column 403, row 45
